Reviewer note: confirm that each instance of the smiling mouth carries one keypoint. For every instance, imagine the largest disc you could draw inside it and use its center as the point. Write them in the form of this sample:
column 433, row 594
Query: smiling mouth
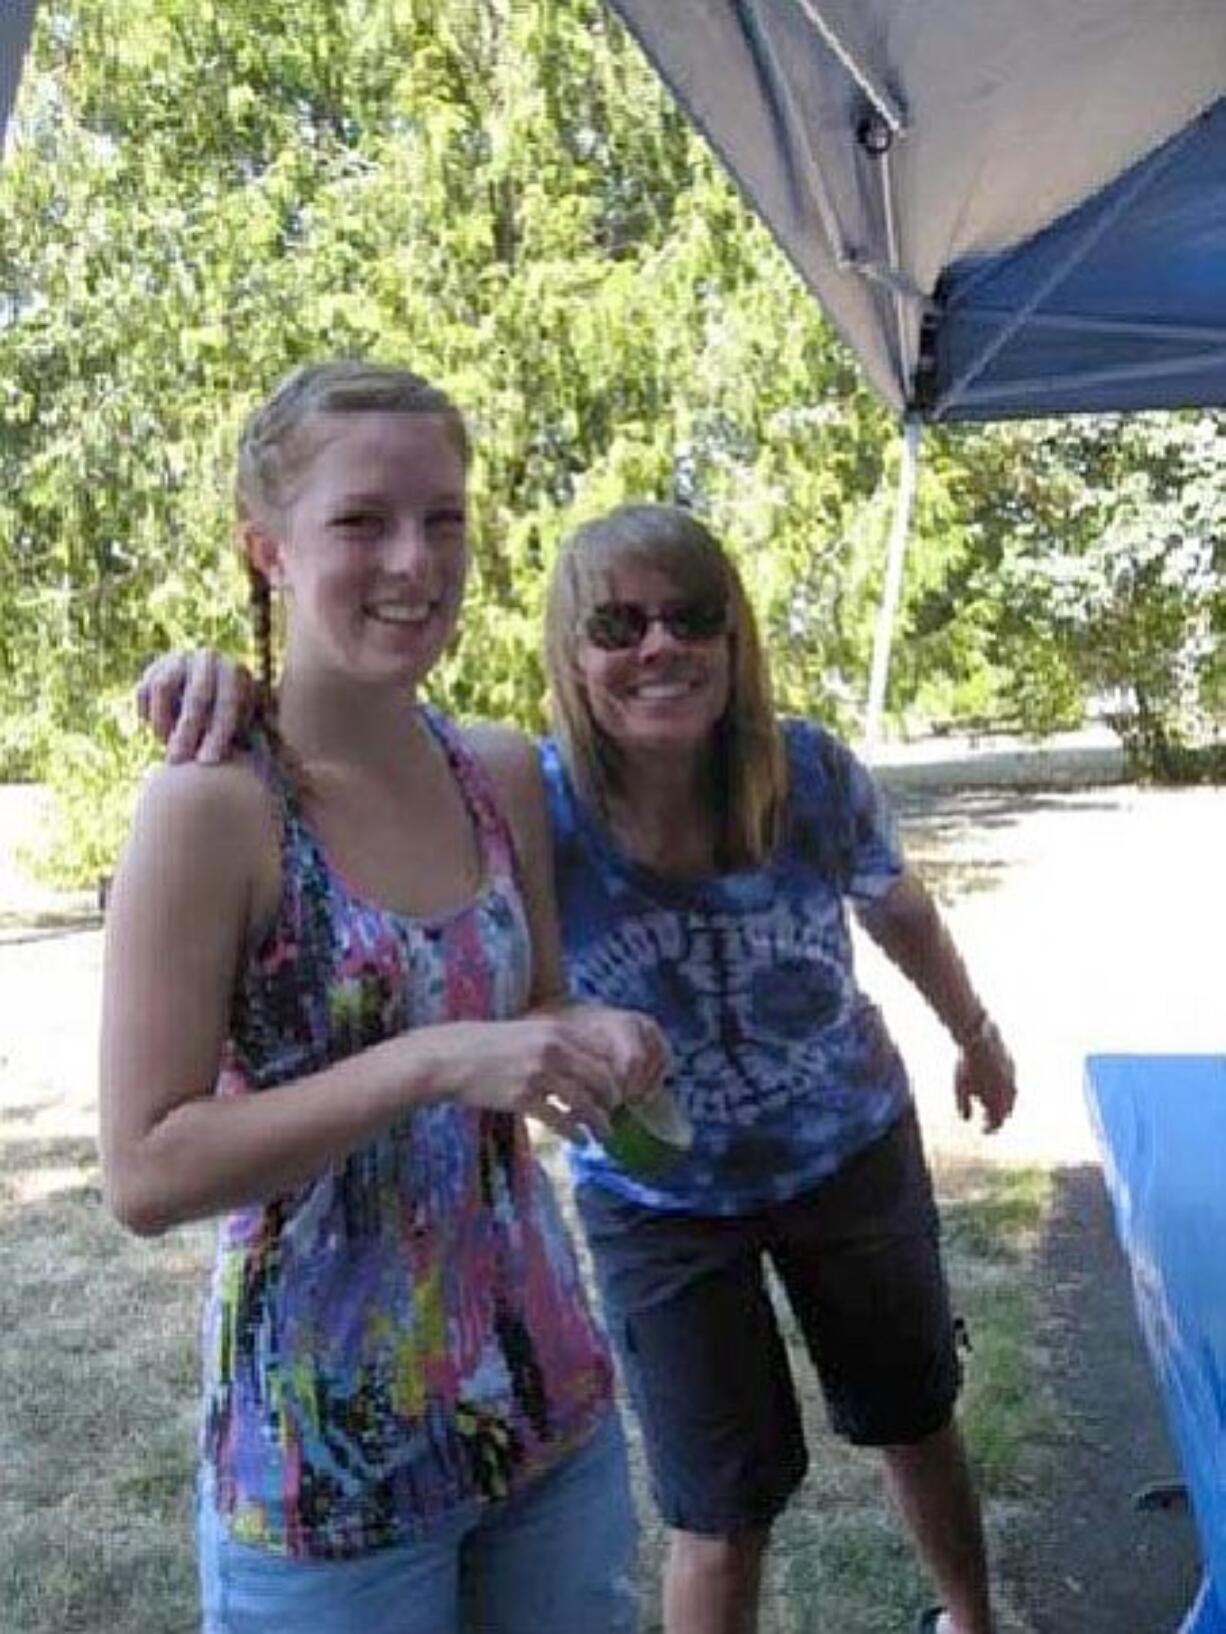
column 664, row 691
column 400, row 613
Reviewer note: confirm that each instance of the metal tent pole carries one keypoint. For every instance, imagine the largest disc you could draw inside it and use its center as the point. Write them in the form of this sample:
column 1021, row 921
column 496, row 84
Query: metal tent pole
column 896, row 552
column 886, row 104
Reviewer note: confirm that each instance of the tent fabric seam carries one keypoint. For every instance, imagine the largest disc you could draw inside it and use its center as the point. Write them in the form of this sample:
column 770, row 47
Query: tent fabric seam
column 1147, row 172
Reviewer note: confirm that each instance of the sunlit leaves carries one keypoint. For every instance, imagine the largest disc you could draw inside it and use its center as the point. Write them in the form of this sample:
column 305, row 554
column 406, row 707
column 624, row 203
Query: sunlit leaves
column 500, row 193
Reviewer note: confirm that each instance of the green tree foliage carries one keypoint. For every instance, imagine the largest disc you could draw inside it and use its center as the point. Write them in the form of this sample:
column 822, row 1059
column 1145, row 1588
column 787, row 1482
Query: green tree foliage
column 1076, row 560
column 202, row 194
column 1134, row 602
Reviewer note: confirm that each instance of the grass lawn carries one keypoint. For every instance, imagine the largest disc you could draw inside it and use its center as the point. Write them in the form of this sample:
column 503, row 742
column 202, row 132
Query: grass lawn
column 98, row 1362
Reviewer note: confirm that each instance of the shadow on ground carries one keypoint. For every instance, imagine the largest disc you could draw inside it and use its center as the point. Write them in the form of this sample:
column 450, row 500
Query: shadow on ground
column 960, row 839
column 1086, row 1559
column 947, row 814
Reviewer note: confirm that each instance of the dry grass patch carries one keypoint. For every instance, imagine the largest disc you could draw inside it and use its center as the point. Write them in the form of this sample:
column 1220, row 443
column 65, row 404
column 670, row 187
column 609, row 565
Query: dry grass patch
column 98, row 1365
column 98, row 1393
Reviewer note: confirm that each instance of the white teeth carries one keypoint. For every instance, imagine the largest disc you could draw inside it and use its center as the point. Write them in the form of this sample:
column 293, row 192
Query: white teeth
column 399, row 613
column 662, row 689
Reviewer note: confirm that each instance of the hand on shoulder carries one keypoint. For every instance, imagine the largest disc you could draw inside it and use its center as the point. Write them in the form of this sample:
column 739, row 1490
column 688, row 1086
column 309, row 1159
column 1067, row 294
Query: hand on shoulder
column 197, row 703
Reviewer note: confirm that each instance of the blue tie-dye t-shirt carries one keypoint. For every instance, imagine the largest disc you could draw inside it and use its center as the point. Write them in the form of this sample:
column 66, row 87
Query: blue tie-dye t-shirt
column 783, row 1065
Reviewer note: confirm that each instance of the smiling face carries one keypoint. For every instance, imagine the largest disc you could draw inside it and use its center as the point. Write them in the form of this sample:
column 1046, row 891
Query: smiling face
column 664, row 693
column 370, row 546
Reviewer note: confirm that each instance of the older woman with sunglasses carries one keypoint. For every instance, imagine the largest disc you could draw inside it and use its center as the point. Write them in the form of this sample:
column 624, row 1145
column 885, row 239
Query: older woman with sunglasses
column 705, row 853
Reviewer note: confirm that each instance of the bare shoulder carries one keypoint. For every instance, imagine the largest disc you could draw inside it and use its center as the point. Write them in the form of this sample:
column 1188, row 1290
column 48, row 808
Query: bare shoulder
column 513, row 762
column 217, row 823
column 228, row 800
column 514, row 767
column 510, row 757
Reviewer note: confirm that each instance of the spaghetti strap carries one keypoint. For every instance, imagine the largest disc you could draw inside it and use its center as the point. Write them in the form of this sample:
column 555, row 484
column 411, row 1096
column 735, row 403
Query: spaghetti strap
column 479, row 796
column 266, row 765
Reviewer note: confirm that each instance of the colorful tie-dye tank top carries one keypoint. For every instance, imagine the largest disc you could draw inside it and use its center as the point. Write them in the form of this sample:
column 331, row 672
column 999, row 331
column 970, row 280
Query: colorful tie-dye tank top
column 408, row 1333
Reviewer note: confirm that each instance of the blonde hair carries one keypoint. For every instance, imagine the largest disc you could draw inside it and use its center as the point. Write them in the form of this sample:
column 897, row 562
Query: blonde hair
column 273, row 449
column 749, row 767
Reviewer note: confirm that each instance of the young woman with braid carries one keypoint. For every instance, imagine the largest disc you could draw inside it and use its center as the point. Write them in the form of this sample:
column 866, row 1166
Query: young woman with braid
column 706, row 853
column 332, row 995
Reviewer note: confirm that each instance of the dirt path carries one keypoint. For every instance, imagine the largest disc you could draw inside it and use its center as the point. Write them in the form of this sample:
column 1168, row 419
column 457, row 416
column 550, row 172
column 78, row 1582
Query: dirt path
column 1091, row 920
column 1082, row 1559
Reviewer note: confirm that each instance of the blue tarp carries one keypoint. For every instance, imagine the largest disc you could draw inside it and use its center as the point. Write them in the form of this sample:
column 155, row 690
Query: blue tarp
column 1161, row 1123
column 1119, row 305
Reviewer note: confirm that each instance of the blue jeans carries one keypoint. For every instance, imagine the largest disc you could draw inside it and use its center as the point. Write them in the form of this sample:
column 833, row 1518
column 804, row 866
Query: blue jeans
column 557, row 1558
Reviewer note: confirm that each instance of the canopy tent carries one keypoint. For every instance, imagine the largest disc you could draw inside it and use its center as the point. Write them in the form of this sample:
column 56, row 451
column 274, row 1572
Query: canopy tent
column 1006, row 207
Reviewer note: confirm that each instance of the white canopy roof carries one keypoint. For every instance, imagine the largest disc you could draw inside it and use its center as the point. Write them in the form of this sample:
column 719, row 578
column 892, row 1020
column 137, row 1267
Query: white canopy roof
column 1005, row 114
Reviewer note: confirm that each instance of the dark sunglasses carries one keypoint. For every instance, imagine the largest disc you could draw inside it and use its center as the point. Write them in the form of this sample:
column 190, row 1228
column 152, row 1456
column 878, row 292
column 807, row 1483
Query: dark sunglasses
column 616, row 626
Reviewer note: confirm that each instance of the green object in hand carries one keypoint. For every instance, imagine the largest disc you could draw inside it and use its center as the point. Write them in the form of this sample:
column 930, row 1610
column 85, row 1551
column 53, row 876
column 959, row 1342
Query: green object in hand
column 649, row 1135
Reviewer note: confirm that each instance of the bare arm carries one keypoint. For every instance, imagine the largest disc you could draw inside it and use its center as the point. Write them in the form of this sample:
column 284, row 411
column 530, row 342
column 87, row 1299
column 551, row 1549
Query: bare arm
column 191, row 893
column 907, row 925
column 182, row 911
